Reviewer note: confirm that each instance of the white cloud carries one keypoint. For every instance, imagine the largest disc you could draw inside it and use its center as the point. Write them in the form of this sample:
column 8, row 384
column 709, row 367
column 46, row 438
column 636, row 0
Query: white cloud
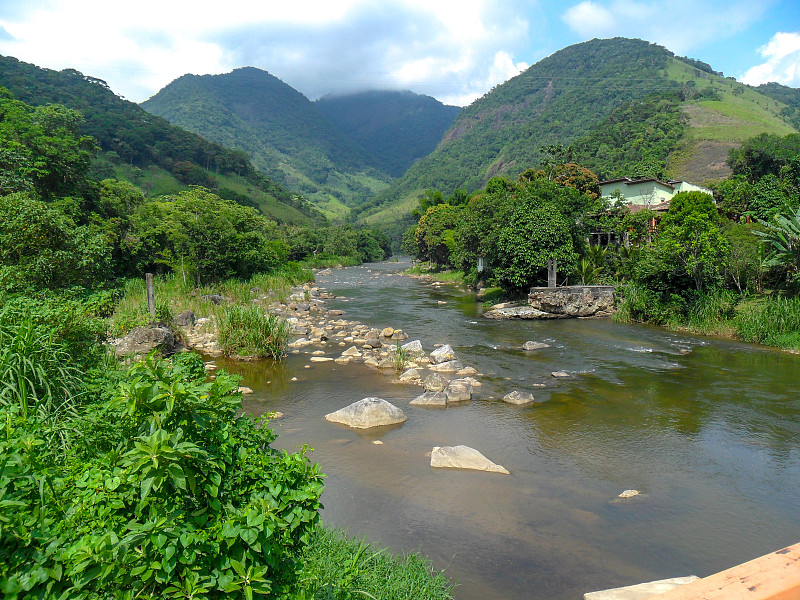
column 680, row 25
column 448, row 48
column 589, row 19
column 782, row 61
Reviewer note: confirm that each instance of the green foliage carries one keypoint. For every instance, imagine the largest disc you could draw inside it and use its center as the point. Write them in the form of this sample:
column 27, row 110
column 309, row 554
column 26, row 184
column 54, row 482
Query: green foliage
column 131, row 137
column 204, row 238
column 746, row 263
column 394, row 127
column 286, row 136
column 782, row 238
column 42, row 247
column 251, row 331
column 183, row 499
column 435, row 233
column 691, row 241
column 339, row 568
column 530, row 239
column 37, row 375
column 772, row 320
column 516, row 227
column 635, row 139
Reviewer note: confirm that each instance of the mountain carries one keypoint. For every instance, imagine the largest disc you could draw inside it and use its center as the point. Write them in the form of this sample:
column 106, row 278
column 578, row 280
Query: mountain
column 395, row 127
column 281, row 130
column 664, row 111
column 146, row 150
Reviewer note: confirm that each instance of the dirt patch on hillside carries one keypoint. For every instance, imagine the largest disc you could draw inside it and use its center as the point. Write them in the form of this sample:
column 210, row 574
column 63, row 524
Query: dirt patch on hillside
column 703, row 160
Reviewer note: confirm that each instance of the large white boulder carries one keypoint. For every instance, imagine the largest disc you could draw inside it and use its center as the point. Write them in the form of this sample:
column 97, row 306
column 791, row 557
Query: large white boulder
column 463, row 457
column 366, row 413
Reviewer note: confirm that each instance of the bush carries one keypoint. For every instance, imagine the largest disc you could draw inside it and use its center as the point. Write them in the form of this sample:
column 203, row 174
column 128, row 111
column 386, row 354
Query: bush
column 186, row 500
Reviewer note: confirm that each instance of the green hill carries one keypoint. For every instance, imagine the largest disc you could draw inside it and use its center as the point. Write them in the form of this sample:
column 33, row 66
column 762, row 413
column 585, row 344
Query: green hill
column 621, row 103
column 282, row 131
column 395, row 127
column 144, row 149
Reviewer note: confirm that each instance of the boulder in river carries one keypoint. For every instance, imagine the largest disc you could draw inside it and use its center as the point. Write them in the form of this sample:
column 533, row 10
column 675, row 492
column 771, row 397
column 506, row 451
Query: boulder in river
column 443, row 354
column 434, row 383
column 450, row 366
column 366, row 413
column 413, row 348
column 410, row 375
column 430, row 399
column 458, row 391
column 517, row 397
column 463, row 457
column 530, row 345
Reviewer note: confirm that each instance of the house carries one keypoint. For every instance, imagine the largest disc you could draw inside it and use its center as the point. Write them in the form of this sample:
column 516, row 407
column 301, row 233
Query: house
column 648, row 192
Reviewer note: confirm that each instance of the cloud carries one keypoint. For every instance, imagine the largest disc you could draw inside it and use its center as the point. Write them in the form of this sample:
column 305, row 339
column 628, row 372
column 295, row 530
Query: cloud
column 680, row 25
column 4, row 35
column 782, row 64
column 449, row 49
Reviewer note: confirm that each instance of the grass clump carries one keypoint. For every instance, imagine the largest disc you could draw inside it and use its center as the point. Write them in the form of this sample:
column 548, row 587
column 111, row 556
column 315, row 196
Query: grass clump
column 772, row 320
column 250, row 331
column 340, row 568
column 437, row 272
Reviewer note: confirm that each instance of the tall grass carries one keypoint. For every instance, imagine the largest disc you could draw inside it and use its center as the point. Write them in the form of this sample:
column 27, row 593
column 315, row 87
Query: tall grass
column 174, row 296
column 250, row 331
column 36, row 370
column 340, row 568
column 772, row 320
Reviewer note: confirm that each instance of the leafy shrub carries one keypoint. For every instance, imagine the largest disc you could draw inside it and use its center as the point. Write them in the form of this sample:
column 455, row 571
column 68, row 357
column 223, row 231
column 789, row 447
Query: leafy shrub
column 190, row 501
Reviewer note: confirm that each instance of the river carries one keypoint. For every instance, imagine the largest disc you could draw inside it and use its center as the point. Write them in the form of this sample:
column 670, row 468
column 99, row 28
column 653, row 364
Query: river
column 707, row 430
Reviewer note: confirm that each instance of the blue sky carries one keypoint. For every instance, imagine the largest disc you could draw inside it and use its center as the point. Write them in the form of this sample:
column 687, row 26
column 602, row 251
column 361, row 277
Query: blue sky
column 453, row 50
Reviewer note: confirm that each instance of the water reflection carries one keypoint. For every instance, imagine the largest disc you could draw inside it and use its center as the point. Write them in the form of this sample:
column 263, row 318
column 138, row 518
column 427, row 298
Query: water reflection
column 707, row 430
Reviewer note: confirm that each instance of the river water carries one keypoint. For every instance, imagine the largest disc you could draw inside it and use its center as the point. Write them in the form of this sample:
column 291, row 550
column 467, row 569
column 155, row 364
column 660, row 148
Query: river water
column 707, row 430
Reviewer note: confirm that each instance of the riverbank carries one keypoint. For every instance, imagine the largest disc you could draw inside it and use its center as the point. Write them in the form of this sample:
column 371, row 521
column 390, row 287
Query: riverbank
column 766, row 319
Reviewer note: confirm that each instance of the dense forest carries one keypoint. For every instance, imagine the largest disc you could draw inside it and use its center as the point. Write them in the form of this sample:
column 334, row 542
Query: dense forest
column 396, row 128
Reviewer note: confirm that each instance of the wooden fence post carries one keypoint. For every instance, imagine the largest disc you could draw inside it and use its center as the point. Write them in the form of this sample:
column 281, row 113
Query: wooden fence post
column 552, row 265
column 151, row 294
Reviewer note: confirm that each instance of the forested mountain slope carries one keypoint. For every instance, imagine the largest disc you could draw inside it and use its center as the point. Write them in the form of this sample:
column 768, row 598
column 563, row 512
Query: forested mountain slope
column 281, row 130
column 146, row 149
column 622, row 104
column 395, row 127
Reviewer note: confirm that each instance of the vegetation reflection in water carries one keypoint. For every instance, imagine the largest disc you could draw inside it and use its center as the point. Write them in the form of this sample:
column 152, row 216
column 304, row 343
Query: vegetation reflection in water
column 705, row 429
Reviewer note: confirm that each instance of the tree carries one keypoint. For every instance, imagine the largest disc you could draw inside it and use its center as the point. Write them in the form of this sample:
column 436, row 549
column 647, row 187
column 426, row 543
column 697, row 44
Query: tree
column 528, row 241
column 42, row 150
column 691, row 241
column 782, row 238
column 43, row 247
column 435, row 233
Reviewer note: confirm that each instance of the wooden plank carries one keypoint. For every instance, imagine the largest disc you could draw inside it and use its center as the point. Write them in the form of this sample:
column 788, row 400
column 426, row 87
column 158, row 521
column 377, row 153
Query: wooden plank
column 774, row 576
